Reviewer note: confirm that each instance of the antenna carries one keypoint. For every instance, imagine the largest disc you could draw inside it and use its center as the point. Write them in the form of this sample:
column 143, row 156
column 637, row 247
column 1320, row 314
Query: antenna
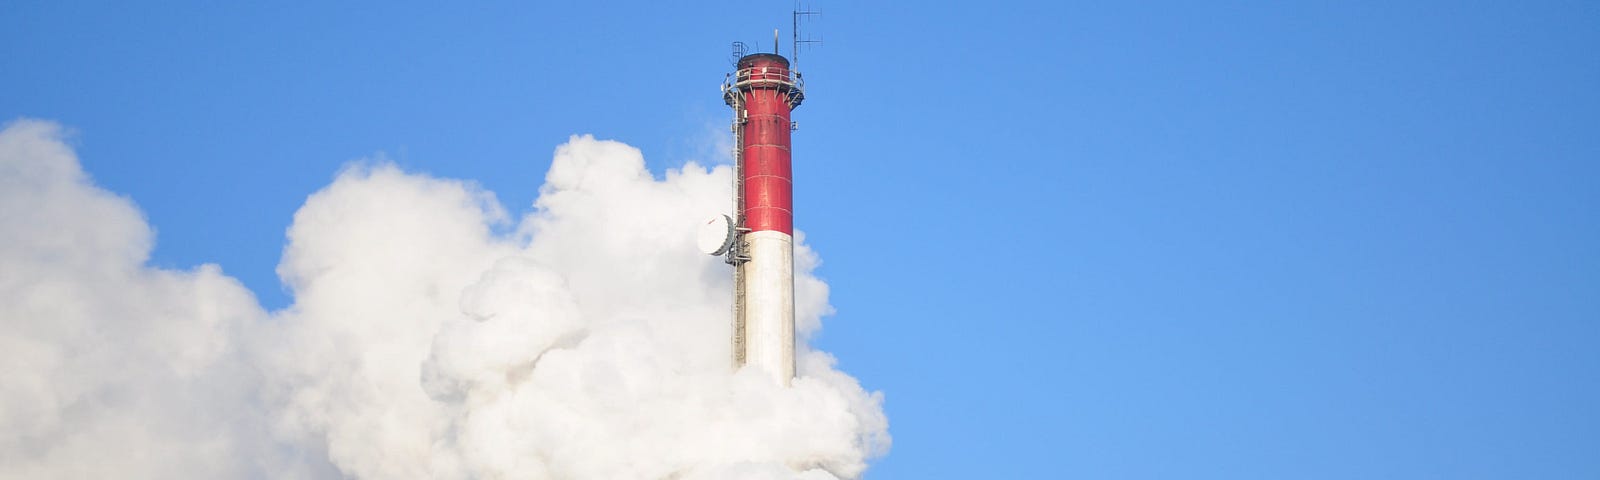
column 799, row 16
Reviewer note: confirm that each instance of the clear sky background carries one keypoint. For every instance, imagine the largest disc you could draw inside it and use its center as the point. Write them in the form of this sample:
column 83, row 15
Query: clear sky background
column 1138, row 240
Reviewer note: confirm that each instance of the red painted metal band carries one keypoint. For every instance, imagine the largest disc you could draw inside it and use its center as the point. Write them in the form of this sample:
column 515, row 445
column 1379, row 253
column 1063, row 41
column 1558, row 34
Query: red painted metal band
column 768, row 182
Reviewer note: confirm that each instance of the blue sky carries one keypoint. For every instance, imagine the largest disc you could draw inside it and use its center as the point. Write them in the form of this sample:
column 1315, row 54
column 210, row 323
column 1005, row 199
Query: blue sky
column 1139, row 240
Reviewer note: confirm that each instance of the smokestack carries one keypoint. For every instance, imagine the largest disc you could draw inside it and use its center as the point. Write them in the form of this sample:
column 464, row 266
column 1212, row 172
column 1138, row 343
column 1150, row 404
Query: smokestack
column 760, row 241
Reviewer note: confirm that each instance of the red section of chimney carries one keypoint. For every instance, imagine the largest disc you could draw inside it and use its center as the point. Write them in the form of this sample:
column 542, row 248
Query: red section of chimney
column 765, row 147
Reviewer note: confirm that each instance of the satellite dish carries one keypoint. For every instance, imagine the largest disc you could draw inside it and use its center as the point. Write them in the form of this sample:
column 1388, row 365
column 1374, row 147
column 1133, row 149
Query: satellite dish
column 716, row 235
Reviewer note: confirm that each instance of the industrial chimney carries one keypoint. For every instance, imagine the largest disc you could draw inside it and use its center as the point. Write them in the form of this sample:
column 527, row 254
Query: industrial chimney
column 759, row 243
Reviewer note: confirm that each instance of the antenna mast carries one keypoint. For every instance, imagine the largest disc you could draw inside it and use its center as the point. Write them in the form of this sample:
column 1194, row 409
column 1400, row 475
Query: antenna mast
column 799, row 15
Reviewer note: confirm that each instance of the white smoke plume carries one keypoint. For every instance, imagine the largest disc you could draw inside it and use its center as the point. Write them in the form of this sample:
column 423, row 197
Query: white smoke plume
column 589, row 343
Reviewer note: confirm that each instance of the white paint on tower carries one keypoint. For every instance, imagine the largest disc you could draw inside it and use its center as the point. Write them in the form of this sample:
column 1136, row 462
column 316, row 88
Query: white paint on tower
column 769, row 304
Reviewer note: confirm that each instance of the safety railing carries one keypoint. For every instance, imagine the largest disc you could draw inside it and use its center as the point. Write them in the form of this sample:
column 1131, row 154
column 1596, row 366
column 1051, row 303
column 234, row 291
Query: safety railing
column 786, row 81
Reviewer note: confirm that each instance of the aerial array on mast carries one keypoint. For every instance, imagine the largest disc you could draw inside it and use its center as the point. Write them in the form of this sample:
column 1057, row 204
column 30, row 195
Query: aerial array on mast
column 798, row 39
column 799, row 17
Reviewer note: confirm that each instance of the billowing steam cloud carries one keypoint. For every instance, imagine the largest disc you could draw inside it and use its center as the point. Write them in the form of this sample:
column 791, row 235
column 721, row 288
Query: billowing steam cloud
column 590, row 343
